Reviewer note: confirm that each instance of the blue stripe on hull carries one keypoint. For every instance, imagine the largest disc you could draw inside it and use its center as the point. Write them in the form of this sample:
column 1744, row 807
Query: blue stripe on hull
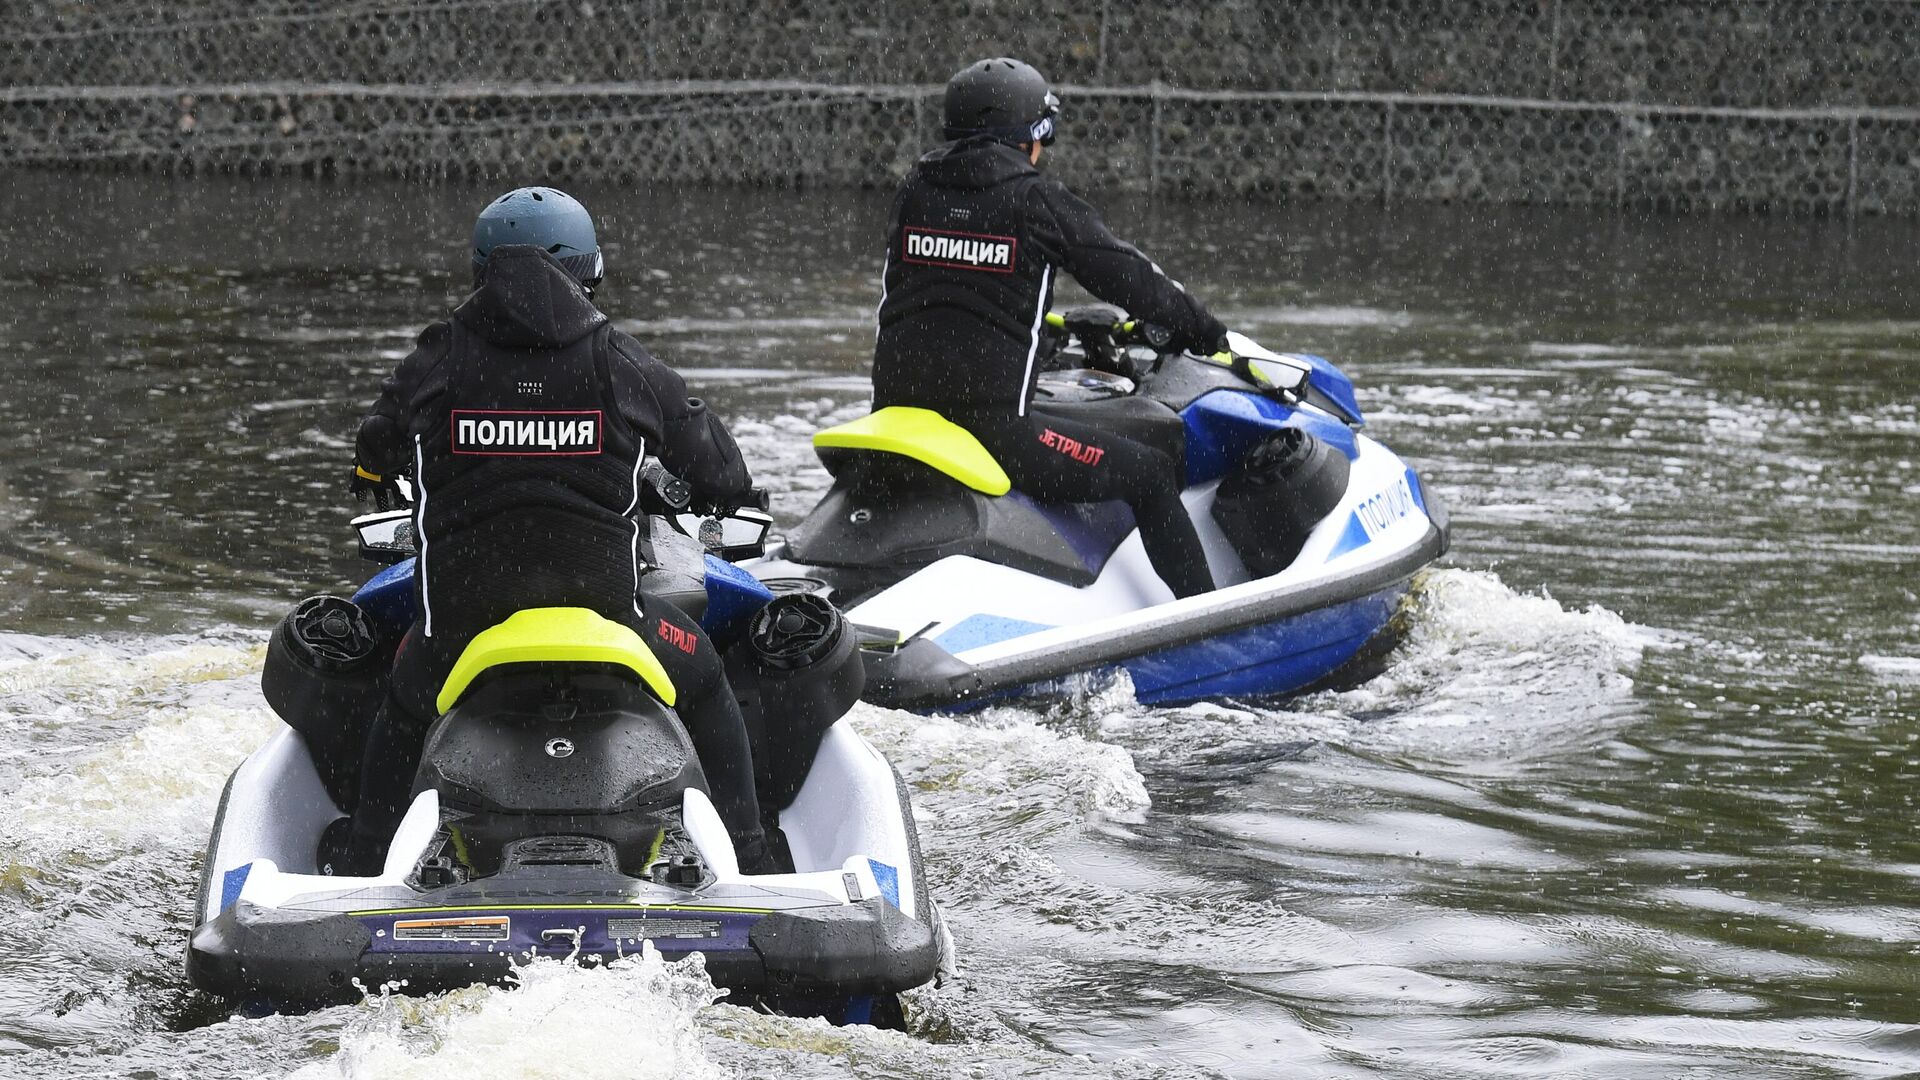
column 976, row 630
column 1274, row 658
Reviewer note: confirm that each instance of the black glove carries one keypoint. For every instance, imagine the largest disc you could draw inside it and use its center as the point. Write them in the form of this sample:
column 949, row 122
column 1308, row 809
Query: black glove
column 383, row 489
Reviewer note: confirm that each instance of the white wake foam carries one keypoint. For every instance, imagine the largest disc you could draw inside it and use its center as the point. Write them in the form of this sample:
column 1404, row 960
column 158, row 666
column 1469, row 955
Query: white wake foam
column 1482, row 664
column 633, row 1019
column 186, row 715
column 1002, row 769
column 1893, row 668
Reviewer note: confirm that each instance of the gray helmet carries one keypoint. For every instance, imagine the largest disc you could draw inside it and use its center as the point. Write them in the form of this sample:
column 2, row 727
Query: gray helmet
column 546, row 217
column 1003, row 98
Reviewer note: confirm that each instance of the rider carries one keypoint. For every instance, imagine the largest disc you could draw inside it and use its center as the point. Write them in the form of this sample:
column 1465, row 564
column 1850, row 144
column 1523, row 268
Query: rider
column 513, row 515
column 976, row 237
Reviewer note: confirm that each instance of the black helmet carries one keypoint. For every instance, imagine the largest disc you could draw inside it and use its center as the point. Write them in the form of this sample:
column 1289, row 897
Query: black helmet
column 1003, row 98
column 548, row 218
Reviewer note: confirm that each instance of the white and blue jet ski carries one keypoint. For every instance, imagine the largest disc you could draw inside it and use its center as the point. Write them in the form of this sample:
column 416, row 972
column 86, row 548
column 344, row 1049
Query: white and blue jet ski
column 967, row 591
column 560, row 810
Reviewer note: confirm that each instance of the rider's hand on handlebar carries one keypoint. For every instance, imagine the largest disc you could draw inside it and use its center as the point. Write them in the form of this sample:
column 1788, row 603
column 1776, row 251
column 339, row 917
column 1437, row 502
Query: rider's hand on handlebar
column 384, row 491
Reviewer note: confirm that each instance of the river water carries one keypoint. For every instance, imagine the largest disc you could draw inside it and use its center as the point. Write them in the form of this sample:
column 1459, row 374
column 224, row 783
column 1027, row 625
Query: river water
column 1633, row 797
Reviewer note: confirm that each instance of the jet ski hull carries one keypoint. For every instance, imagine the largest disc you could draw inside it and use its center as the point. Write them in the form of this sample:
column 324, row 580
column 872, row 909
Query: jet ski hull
column 1261, row 642
column 978, row 629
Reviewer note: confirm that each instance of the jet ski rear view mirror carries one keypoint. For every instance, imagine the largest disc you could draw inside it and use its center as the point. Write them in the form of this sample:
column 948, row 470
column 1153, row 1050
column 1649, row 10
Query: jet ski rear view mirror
column 743, row 534
column 1279, row 371
column 386, row 536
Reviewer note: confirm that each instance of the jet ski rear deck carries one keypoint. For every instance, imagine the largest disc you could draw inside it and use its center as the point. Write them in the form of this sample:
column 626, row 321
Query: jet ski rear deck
column 277, row 932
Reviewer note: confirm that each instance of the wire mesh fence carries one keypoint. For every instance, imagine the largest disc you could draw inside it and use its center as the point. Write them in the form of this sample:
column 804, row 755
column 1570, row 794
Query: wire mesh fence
column 1788, row 105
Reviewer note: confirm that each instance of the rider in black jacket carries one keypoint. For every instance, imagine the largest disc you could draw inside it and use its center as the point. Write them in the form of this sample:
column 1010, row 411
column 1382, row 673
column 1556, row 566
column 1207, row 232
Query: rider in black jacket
column 523, row 420
column 976, row 239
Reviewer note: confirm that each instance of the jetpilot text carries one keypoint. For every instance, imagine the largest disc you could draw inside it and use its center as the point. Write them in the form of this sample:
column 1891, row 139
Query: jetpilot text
column 676, row 637
column 1073, row 448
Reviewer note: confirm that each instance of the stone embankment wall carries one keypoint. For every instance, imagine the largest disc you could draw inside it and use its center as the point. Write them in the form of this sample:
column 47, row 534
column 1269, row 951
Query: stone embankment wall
column 1804, row 106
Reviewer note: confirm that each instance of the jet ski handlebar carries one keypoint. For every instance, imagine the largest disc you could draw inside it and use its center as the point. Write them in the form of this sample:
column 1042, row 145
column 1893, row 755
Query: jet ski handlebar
column 667, row 495
column 1109, row 341
column 1135, row 348
column 738, row 530
column 661, row 492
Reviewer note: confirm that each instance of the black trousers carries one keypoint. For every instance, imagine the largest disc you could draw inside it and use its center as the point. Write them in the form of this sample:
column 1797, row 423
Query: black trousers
column 1059, row 460
column 706, row 706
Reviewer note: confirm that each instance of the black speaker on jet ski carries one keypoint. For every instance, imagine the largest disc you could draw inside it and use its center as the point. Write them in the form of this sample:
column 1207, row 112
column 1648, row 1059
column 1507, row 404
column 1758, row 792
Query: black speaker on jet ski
column 796, row 672
column 1271, row 501
column 326, row 668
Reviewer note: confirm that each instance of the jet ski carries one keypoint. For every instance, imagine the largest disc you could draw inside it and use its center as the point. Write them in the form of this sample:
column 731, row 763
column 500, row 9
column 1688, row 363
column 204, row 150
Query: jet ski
column 560, row 810
column 967, row 591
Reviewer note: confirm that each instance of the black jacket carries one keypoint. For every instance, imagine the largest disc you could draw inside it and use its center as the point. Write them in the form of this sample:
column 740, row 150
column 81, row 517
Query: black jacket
column 523, row 419
column 976, row 238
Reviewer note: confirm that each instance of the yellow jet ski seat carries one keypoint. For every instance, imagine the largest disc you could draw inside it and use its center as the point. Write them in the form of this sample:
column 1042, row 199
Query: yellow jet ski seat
column 920, row 434
column 555, row 634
